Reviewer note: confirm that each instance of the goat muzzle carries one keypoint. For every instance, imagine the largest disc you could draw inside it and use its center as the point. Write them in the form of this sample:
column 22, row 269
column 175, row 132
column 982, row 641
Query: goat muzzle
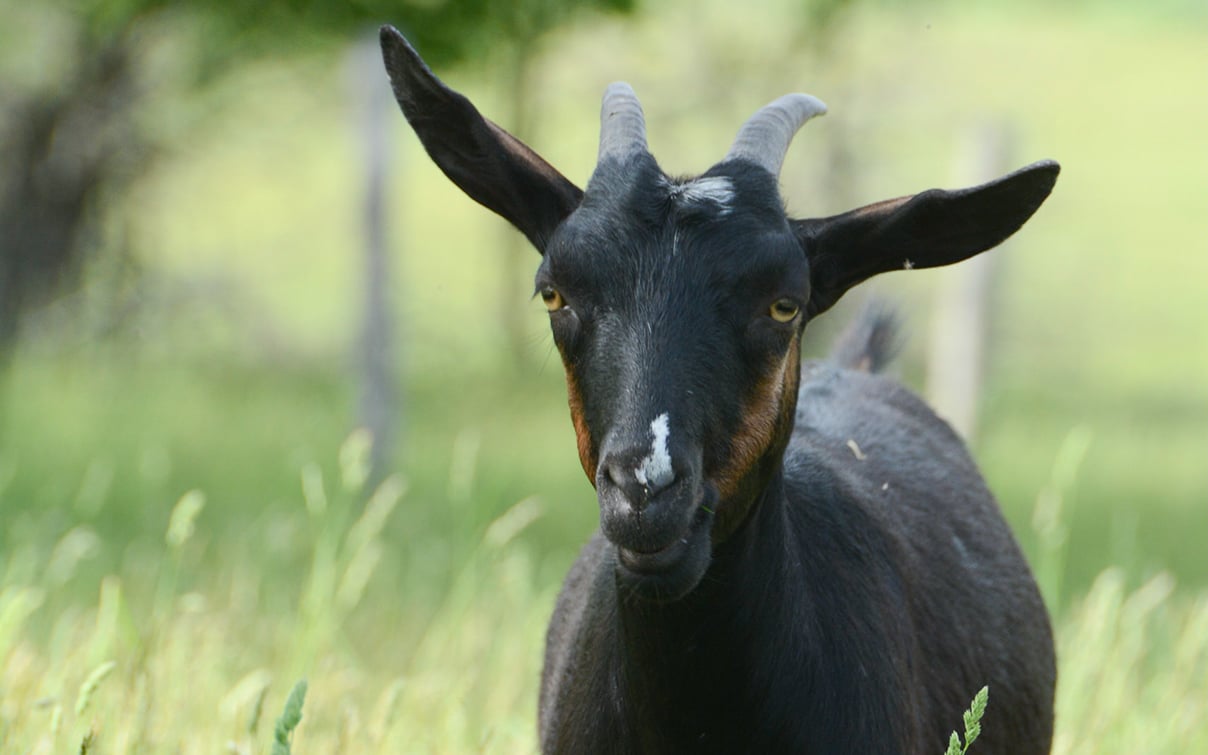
column 664, row 546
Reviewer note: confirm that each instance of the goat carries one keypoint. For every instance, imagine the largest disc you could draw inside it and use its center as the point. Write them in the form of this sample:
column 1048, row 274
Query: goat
column 791, row 557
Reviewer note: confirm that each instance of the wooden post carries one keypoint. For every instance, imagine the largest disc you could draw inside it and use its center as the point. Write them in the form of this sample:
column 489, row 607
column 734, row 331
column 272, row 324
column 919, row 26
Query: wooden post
column 962, row 312
column 378, row 409
column 516, row 256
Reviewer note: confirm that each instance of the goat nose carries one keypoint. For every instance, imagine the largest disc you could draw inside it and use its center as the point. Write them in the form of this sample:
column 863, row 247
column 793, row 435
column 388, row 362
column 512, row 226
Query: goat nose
column 637, row 482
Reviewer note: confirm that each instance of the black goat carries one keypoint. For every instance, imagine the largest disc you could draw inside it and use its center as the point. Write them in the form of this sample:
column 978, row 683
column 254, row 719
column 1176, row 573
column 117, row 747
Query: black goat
column 791, row 558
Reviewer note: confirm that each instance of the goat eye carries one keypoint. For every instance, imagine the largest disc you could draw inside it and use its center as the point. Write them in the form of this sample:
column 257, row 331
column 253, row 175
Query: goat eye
column 784, row 310
column 553, row 300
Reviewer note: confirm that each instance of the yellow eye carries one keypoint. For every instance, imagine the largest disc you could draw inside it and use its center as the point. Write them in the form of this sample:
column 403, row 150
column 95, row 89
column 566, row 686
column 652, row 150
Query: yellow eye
column 553, row 299
column 784, row 310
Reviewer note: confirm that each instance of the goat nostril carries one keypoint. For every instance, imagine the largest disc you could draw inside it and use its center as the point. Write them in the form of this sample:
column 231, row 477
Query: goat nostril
column 629, row 482
column 654, row 478
column 615, row 474
column 652, row 486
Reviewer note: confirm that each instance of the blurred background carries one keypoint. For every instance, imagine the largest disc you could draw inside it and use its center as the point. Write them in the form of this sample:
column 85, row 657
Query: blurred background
column 222, row 252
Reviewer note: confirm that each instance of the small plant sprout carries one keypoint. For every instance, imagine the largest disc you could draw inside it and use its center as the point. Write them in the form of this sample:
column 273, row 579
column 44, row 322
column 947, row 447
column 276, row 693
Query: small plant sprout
column 182, row 522
column 90, row 684
column 386, row 710
column 246, row 698
column 312, row 490
column 56, row 720
column 291, row 716
column 17, row 604
column 511, row 523
column 973, row 718
column 355, row 456
column 253, row 719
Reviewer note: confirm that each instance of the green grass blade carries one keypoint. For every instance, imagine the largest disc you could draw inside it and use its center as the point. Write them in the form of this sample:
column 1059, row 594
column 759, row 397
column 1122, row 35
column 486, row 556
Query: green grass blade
column 291, row 716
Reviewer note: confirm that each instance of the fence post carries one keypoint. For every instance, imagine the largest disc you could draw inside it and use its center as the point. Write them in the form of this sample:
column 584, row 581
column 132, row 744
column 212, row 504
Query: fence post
column 378, row 407
column 963, row 307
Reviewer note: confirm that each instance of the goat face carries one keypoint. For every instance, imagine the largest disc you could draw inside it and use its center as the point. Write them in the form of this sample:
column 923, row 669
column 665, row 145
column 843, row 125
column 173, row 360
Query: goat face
column 678, row 306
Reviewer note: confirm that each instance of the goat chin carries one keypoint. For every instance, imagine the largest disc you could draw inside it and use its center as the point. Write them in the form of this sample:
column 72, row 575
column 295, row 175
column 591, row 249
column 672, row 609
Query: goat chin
column 671, row 573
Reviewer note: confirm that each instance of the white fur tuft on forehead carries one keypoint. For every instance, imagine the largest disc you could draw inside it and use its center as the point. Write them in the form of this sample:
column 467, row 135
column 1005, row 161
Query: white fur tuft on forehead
column 717, row 191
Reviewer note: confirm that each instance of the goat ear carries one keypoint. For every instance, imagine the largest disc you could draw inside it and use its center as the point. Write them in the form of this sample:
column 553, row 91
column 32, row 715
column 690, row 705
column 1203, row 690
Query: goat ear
column 490, row 165
column 930, row 229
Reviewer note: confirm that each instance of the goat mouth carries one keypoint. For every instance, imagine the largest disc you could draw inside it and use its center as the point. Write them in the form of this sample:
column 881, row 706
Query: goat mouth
column 656, row 561
column 673, row 571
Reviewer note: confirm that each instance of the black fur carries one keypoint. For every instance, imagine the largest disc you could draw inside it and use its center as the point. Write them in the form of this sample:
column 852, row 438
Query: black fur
column 871, row 342
column 858, row 608
column 792, row 557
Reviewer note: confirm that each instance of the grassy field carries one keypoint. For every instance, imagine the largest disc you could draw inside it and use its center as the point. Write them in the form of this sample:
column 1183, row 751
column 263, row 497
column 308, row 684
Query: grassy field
column 180, row 537
column 181, row 653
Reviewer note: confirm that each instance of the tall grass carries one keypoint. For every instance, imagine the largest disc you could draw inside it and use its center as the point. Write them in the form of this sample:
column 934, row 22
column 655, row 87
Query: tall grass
column 193, row 669
column 1133, row 670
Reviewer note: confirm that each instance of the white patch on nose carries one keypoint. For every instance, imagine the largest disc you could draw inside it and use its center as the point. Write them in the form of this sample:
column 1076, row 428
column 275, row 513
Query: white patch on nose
column 655, row 469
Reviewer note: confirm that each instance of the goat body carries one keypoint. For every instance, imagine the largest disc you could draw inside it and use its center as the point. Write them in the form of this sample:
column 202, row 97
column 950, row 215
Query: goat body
column 792, row 557
column 871, row 591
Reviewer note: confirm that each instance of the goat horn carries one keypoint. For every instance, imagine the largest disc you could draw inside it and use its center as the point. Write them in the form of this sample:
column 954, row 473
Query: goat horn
column 764, row 139
column 622, row 125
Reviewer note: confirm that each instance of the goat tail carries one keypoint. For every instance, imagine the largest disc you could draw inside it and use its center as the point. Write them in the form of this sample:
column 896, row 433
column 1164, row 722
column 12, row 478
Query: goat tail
column 871, row 341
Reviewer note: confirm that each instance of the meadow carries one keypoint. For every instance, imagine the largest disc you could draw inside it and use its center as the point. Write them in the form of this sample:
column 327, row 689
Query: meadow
column 185, row 529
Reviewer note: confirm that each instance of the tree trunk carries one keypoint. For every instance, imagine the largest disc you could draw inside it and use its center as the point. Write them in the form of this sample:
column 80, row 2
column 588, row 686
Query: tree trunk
column 62, row 152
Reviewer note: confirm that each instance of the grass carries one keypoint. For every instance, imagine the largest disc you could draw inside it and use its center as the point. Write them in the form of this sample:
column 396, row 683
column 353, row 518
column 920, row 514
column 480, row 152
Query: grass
column 289, row 720
column 972, row 719
column 1133, row 670
column 193, row 670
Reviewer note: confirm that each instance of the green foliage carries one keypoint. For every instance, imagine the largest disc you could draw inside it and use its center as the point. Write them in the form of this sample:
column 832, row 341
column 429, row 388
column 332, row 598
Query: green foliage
column 114, row 61
column 179, row 682
column 405, row 674
column 466, row 682
column 1133, row 673
column 446, row 31
column 345, row 555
